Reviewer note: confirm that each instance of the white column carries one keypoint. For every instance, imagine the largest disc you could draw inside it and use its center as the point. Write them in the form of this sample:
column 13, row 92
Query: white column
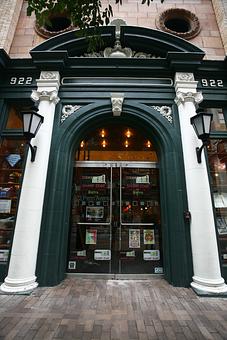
column 207, row 275
column 21, row 275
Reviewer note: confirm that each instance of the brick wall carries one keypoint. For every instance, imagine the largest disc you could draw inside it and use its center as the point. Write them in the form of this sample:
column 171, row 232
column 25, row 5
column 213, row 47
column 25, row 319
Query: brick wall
column 220, row 8
column 9, row 13
column 209, row 39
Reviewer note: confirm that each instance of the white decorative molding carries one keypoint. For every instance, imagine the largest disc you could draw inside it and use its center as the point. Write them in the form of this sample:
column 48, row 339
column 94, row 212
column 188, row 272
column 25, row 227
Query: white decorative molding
column 51, row 96
column 117, row 51
column 182, row 97
column 143, row 55
column 68, row 110
column 165, row 111
column 48, row 85
column 186, row 89
column 118, row 23
column 49, row 75
column 184, row 76
column 117, row 102
column 125, row 54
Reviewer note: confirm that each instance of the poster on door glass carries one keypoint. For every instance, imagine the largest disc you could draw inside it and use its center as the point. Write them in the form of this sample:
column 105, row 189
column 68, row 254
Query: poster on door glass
column 98, row 179
column 91, row 236
column 142, row 179
column 148, row 236
column 102, row 255
column 134, row 238
column 94, row 212
column 151, row 255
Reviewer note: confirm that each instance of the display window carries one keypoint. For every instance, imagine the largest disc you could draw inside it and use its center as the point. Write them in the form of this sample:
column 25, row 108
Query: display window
column 11, row 170
column 14, row 120
column 11, row 164
column 217, row 157
column 219, row 118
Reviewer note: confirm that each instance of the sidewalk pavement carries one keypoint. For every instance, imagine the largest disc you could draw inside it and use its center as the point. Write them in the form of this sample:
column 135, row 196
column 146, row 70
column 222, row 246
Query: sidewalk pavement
column 112, row 309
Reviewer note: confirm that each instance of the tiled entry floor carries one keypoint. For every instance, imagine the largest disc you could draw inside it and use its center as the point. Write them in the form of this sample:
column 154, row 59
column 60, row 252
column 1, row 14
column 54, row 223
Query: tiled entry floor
column 112, row 309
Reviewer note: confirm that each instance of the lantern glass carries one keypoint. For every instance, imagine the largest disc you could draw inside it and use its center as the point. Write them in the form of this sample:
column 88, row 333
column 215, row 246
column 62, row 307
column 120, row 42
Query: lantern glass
column 26, row 121
column 198, row 125
column 35, row 124
column 31, row 123
column 202, row 124
column 207, row 123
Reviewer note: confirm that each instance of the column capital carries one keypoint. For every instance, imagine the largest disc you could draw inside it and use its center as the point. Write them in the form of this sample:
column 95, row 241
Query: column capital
column 48, row 86
column 186, row 89
column 51, row 96
column 182, row 97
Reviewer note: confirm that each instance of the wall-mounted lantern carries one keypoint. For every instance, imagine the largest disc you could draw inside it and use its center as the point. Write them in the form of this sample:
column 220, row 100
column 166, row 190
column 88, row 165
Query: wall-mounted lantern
column 31, row 124
column 202, row 125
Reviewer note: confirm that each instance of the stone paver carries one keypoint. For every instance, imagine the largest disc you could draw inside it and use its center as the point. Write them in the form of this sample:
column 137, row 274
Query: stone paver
column 97, row 309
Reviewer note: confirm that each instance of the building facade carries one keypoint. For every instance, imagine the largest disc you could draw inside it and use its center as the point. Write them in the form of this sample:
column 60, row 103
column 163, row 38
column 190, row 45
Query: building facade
column 116, row 188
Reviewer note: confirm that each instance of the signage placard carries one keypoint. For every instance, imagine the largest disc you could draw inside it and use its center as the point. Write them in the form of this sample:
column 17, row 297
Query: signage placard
column 102, row 255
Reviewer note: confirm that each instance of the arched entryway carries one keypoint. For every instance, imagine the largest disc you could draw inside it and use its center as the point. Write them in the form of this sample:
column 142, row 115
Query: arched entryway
column 53, row 250
column 88, row 85
column 115, row 224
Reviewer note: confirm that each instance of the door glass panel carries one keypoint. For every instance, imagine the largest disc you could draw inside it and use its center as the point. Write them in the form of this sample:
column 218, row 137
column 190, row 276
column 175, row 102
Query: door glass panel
column 91, row 208
column 115, row 220
column 140, row 195
column 140, row 241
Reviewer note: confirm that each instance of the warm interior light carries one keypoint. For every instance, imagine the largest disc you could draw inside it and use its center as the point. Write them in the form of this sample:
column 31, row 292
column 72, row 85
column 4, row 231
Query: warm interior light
column 148, row 144
column 222, row 166
column 82, row 144
column 104, row 143
column 128, row 133
column 103, row 133
column 126, row 143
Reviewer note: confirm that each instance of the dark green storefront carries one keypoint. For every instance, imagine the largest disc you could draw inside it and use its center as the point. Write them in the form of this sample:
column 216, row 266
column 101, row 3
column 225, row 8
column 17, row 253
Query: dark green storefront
column 87, row 85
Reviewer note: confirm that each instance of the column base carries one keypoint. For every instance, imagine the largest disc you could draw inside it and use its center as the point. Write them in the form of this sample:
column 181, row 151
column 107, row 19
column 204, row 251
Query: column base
column 205, row 287
column 14, row 286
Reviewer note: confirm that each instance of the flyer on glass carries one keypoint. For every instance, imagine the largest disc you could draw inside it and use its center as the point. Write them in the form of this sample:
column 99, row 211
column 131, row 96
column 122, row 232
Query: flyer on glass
column 134, row 238
column 151, row 255
column 5, row 206
column 148, row 236
column 94, row 212
column 91, row 236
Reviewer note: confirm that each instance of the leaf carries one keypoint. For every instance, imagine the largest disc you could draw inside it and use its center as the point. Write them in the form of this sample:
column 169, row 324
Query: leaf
column 83, row 13
column 110, row 10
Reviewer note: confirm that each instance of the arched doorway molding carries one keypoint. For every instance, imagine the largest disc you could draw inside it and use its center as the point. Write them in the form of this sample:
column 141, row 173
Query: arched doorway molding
column 52, row 257
column 162, row 49
column 131, row 36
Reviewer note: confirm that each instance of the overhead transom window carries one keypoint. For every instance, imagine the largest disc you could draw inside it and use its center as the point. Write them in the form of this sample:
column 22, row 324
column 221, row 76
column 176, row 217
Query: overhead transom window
column 180, row 22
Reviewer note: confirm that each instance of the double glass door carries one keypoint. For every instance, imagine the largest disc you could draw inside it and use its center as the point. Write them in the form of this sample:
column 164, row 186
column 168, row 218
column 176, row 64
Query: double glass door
column 115, row 219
